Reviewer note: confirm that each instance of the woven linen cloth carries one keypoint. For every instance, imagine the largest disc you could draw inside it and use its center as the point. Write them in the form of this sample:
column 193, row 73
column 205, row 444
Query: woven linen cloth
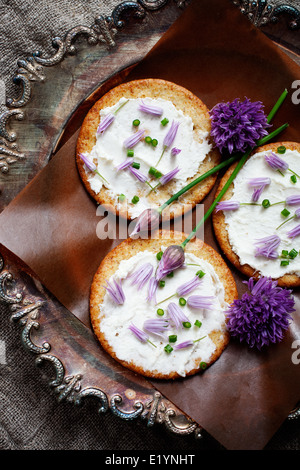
column 30, row 416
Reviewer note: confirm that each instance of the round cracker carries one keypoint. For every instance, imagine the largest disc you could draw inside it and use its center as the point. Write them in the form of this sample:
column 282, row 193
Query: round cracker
column 129, row 248
column 183, row 100
column 218, row 219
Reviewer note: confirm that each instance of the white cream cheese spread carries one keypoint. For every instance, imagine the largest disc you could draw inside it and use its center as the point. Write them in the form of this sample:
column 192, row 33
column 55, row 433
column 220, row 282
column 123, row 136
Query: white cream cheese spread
column 250, row 223
column 136, row 309
column 109, row 150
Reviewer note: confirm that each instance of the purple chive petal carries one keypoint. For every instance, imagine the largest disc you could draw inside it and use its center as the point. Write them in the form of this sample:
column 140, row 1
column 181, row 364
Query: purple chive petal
column 141, row 335
column 152, row 288
column 227, row 206
column 259, row 184
column 188, row 286
column 150, row 108
column 260, row 317
column 275, row 162
column 176, row 315
column 293, row 200
column 237, row 125
column 142, row 275
column 169, row 176
column 184, row 344
column 171, row 134
column 88, row 162
column 138, row 174
column 173, row 258
column 105, row 123
column 200, row 301
column 115, row 291
column 124, row 164
column 148, row 220
column 156, row 326
column 175, row 151
column 134, row 139
column 267, row 246
column 295, row 232
column 297, row 212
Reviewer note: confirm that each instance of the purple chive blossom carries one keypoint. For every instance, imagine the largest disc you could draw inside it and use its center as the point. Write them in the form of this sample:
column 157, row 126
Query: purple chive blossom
column 140, row 335
column 259, row 184
column 237, row 125
column 176, row 315
column 173, row 258
column 227, row 206
column 275, row 162
column 156, row 326
column 148, row 220
column 115, row 291
column 141, row 275
column 295, row 232
column 293, row 200
column 150, row 108
column 175, row 151
column 187, row 344
column 260, row 317
column 188, row 286
column 169, row 176
column 134, row 139
column 171, row 134
column 152, row 288
column 200, row 301
column 297, row 212
column 88, row 162
column 267, row 246
column 105, row 123
column 138, row 174
column 124, row 164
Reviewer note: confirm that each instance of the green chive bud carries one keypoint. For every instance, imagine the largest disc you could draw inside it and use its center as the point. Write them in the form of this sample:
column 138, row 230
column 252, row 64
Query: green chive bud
column 162, row 283
column 121, row 197
column 130, row 153
column 284, row 253
column 284, row 262
column 186, row 324
column 164, row 122
column 159, row 255
column 182, row 301
column 136, row 122
column 294, row 179
column 171, row 274
column 293, row 253
column 168, row 348
column 173, row 338
column 281, row 149
column 200, row 274
column 203, row 365
column 266, row 203
column 285, row 212
column 154, row 142
column 136, row 165
column 148, row 139
column 135, row 199
column 160, row 312
column 198, row 323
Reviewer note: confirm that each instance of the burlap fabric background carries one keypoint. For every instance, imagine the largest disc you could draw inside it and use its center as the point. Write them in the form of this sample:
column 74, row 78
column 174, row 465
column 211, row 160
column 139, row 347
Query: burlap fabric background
column 30, row 416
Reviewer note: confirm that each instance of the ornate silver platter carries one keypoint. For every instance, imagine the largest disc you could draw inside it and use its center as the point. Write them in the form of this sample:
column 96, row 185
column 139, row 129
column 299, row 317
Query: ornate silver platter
column 47, row 91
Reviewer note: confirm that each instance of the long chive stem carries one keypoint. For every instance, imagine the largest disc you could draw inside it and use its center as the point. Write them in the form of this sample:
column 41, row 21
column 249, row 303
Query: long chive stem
column 285, row 222
column 277, row 105
column 96, row 171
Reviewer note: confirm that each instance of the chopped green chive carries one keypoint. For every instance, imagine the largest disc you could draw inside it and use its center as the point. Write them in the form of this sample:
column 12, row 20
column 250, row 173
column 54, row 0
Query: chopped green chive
column 203, row 365
column 266, row 203
column 284, row 262
column 284, row 253
column 281, row 149
column 136, row 165
column 168, row 348
column 154, row 172
column 285, row 212
column 173, row 338
column 130, row 153
column 135, row 199
column 186, row 324
column 154, row 142
column 171, row 274
column 182, row 301
column 136, row 122
column 159, row 255
column 162, row 283
column 148, row 139
column 200, row 273
column 294, row 179
column 164, row 122
column 198, row 323
column 293, row 253
column 160, row 312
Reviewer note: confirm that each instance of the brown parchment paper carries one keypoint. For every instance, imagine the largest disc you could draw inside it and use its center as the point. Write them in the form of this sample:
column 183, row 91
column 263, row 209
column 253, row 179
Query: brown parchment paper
column 52, row 224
